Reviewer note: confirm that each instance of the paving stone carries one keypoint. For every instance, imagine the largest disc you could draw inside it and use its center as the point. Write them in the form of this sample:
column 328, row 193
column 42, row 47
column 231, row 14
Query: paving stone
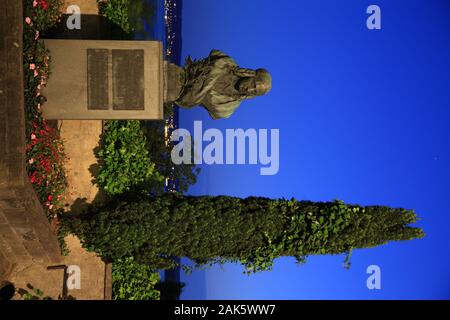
column 35, row 249
column 12, row 204
column 3, row 219
column 5, row 267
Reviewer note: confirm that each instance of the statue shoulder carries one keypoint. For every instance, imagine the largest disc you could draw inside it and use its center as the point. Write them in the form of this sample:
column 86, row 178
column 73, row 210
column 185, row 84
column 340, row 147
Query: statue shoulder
column 221, row 57
column 217, row 53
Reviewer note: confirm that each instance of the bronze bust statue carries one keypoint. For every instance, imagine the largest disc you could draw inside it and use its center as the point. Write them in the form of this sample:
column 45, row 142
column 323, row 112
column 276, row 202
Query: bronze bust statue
column 217, row 83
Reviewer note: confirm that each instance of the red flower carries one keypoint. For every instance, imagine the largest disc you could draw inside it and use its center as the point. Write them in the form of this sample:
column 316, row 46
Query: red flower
column 33, row 177
column 49, row 198
column 44, row 5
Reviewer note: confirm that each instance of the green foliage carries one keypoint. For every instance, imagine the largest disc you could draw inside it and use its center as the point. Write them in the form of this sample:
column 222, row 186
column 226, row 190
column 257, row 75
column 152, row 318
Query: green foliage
column 61, row 234
column 117, row 12
column 128, row 15
column 126, row 162
column 183, row 175
column 253, row 231
column 38, row 294
column 35, row 294
column 134, row 281
column 140, row 12
column 137, row 159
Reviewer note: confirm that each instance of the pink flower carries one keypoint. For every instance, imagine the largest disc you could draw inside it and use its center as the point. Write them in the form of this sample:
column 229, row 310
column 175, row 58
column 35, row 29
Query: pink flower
column 36, row 73
column 37, row 95
column 32, row 66
column 39, row 106
column 50, row 207
column 36, row 35
column 33, row 136
column 31, row 161
column 28, row 20
column 35, row 4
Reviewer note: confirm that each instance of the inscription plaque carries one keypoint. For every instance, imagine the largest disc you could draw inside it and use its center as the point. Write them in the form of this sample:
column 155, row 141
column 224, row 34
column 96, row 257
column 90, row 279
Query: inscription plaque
column 128, row 79
column 97, row 78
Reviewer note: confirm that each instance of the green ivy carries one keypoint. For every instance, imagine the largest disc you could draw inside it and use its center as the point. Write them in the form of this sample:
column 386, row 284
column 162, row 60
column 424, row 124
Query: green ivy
column 253, row 231
column 134, row 281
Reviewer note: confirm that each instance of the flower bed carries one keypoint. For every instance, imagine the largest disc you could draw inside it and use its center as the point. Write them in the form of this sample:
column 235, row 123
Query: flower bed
column 45, row 149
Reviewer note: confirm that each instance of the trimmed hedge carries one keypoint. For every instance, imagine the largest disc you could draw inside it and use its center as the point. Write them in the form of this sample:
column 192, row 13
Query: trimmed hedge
column 253, row 231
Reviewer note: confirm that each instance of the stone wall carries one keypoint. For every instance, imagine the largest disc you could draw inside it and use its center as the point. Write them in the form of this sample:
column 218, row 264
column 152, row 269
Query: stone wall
column 25, row 235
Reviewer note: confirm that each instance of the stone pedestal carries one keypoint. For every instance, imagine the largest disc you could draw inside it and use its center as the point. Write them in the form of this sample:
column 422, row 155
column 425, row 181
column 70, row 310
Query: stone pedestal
column 92, row 79
column 174, row 80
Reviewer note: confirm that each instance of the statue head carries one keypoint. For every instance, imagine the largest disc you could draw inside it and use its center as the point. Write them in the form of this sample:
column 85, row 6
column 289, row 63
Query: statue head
column 257, row 85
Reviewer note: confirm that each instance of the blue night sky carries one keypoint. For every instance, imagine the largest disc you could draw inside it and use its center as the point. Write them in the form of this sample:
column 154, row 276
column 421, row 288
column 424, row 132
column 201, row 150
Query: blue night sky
column 364, row 116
